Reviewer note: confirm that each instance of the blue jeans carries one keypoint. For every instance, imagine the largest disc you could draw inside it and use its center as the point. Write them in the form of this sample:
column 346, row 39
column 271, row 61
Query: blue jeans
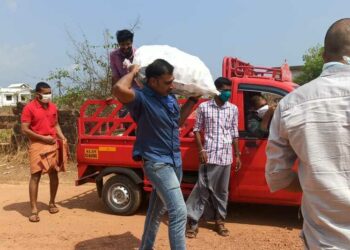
column 166, row 195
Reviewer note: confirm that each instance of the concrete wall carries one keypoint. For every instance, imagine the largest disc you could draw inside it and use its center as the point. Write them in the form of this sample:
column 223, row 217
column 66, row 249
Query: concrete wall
column 67, row 120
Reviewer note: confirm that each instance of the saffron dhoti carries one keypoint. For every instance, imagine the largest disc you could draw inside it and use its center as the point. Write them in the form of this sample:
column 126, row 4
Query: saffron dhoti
column 46, row 157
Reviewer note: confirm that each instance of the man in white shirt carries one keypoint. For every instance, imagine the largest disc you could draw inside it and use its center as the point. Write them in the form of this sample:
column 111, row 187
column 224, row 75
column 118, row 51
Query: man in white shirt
column 312, row 124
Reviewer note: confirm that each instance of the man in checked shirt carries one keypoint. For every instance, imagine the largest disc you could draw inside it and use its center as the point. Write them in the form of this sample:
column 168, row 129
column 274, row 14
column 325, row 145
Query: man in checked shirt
column 218, row 119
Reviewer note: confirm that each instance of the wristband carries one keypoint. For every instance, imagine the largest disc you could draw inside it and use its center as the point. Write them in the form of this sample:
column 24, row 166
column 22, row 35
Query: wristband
column 238, row 154
column 203, row 150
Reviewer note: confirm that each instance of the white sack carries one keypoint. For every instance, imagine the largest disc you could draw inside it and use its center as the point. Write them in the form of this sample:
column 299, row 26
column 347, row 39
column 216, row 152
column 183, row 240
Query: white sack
column 192, row 77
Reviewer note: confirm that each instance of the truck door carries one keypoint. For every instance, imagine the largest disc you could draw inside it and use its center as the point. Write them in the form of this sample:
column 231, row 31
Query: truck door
column 249, row 184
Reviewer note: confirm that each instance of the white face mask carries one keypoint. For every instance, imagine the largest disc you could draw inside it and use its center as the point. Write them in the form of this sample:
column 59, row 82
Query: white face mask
column 346, row 59
column 261, row 111
column 46, row 97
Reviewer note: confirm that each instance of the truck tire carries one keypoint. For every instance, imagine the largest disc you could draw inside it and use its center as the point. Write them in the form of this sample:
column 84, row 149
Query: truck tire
column 121, row 195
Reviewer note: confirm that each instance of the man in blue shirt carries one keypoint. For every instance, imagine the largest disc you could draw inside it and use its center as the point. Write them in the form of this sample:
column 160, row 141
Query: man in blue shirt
column 158, row 117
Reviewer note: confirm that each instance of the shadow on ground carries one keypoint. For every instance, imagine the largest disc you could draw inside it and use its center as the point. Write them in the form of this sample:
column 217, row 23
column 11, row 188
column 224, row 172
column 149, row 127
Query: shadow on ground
column 254, row 214
column 90, row 201
column 87, row 200
column 126, row 241
column 23, row 208
column 258, row 214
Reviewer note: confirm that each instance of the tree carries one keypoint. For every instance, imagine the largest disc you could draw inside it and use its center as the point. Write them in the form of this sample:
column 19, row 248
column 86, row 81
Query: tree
column 90, row 76
column 313, row 63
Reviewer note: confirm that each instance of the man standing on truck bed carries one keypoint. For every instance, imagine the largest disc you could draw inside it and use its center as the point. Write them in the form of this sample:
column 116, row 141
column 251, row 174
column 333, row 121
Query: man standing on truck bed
column 312, row 124
column 40, row 123
column 158, row 117
column 218, row 119
column 125, row 50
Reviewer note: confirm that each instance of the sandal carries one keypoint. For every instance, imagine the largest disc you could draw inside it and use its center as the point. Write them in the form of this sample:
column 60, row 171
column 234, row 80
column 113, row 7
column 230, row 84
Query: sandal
column 34, row 217
column 53, row 209
column 191, row 232
column 221, row 229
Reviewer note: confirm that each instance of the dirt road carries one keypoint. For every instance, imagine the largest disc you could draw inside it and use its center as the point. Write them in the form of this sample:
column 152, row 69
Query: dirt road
column 84, row 223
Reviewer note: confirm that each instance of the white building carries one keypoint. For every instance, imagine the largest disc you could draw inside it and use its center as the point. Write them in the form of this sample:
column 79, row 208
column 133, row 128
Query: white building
column 17, row 92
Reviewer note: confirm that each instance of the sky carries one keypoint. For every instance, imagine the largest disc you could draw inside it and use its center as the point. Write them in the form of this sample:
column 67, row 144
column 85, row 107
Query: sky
column 34, row 39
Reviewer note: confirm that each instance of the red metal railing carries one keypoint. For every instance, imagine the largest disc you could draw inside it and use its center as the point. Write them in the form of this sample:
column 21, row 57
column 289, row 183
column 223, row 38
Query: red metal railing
column 104, row 119
column 233, row 67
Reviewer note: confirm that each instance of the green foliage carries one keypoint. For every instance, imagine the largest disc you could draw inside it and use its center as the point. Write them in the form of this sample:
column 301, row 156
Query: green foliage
column 313, row 63
column 72, row 99
column 90, row 74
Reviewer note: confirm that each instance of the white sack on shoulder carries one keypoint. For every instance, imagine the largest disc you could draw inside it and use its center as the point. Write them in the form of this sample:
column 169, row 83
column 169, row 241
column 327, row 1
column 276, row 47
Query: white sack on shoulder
column 192, row 77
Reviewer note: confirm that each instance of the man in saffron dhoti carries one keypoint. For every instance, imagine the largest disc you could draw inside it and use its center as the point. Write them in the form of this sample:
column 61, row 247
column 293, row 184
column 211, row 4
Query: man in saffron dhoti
column 48, row 147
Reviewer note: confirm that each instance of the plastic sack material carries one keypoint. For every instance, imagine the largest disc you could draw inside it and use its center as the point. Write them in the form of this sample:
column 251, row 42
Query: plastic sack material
column 192, row 77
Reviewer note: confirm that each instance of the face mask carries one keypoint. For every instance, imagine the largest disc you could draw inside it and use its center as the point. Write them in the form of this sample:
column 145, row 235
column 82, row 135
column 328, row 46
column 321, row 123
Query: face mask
column 225, row 95
column 46, row 98
column 261, row 111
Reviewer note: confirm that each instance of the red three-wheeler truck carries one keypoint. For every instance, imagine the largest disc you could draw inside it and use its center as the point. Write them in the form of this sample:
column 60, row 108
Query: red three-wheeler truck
column 106, row 136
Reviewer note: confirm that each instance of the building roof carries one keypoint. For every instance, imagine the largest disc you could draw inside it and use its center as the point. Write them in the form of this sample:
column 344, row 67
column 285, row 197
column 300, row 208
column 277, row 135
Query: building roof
column 19, row 86
column 296, row 67
column 14, row 90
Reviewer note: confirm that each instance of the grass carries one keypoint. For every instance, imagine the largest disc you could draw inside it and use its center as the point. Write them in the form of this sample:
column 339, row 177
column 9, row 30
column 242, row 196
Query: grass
column 5, row 135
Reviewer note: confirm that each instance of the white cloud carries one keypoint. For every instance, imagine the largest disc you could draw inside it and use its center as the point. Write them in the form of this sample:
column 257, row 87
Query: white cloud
column 12, row 5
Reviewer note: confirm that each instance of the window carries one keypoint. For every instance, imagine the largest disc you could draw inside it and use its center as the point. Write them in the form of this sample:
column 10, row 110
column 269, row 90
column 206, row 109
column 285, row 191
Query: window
column 8, row 97
column 256, row 101
column 23, row 98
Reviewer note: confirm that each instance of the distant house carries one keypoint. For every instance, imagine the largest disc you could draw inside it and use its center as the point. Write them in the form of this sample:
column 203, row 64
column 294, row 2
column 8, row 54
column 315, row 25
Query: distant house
column 297, row 70
column 14, row 93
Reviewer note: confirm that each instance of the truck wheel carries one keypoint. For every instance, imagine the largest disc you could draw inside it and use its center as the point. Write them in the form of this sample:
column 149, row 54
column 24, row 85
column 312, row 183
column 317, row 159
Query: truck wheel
column 121, row 195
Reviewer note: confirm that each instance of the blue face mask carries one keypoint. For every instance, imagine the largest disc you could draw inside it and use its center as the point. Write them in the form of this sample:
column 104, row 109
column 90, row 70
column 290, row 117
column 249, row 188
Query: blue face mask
column 225, row 95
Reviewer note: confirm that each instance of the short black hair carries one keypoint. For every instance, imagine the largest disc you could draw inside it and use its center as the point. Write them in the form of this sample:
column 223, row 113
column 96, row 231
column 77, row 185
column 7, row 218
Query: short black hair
column 337, row 40
column 41, row 85
column 221, row 81
column 255, row 100
column 124, row 35
column 158, row 68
